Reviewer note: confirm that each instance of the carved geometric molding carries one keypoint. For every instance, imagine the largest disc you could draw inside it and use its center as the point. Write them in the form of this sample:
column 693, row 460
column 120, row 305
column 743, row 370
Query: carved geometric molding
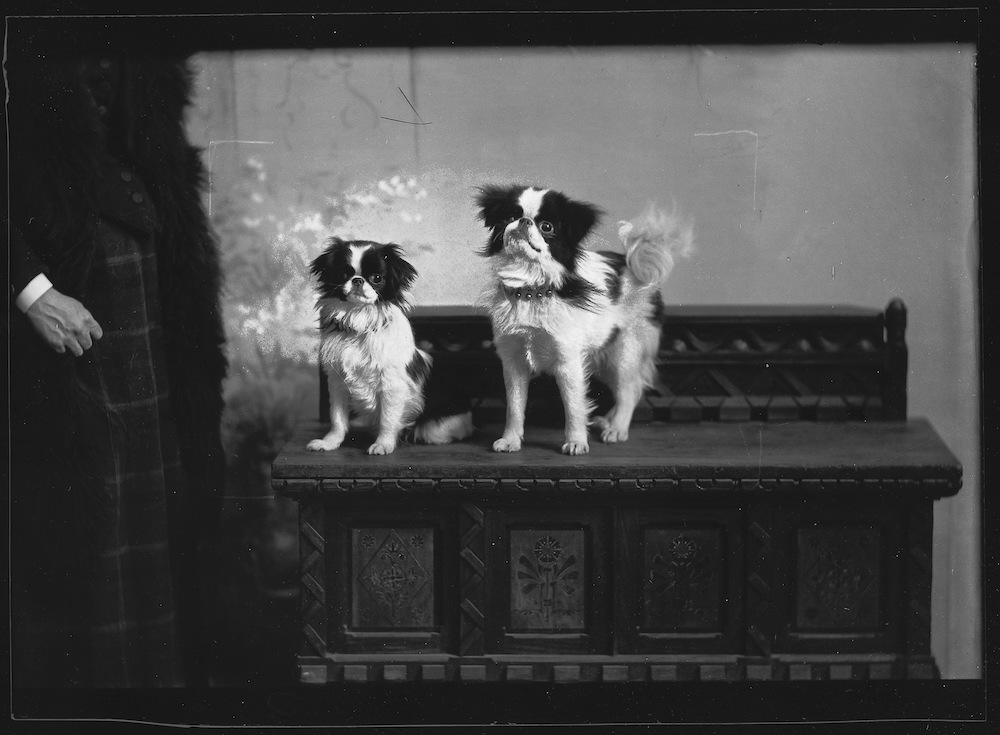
column 547, row 581
column 805, row 339
column 931, row 487
column 682, row 579
column 838, row 581
column 471, row 571
column 393, row 578
column 760, row 578
column 666, row 669
column 766, row 392
column 312, row 565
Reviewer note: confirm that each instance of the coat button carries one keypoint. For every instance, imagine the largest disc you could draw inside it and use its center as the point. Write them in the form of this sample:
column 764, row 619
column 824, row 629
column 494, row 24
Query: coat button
column 137, row 198
column 126, row 176
column 105, row 63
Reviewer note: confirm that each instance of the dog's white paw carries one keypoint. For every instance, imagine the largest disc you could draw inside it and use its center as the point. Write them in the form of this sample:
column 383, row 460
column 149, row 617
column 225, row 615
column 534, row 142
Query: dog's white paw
column 611, row 435
column 507, row 444
column 323, row 445
column 576, row 447
column 382, row 447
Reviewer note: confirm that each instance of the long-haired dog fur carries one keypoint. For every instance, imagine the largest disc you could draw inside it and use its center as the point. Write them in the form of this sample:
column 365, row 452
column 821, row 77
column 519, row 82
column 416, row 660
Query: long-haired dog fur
column 374, row 369
column 561, row 309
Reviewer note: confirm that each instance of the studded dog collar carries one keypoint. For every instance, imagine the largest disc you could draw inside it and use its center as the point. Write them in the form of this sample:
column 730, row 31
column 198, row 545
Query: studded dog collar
column 528, row 293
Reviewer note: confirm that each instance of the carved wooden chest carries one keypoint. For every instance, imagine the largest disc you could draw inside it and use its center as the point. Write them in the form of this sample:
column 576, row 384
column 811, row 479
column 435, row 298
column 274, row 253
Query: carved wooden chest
column 769, row 518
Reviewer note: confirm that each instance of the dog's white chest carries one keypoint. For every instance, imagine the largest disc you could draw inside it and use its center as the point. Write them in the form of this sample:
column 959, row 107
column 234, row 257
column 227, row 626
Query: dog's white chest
column 366, row 361
column 351, row 360
column 540, row 350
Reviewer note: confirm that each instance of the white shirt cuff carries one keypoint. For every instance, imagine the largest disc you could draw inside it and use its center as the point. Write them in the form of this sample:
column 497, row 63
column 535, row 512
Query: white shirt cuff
column 35, row 288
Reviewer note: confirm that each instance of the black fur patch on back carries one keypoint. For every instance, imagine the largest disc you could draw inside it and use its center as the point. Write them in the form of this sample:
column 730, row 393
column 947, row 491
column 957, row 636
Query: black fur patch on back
column 418, row 368
column 614, row 282
column 658, row 316
column 577, row 292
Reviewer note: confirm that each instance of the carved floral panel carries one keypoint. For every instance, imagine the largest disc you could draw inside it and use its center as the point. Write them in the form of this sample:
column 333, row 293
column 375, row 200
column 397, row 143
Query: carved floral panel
column 682, row 582
column 547, row 580
column 838, row 577
column 392, row 578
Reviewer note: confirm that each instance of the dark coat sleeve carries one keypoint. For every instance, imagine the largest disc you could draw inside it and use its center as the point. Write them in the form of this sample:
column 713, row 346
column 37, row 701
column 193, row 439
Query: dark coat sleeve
column 24, row 263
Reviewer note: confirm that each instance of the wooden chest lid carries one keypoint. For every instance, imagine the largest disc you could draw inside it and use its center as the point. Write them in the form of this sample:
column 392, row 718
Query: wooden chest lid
column 898, row 456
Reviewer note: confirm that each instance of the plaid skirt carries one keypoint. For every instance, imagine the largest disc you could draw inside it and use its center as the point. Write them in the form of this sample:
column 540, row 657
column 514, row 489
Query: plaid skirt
column 97, row 490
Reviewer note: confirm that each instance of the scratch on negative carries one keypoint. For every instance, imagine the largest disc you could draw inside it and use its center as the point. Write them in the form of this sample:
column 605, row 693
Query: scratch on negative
column 211, row 154
column 410, row 104
column 407, row 122
column 756, row 142
column 760, row 452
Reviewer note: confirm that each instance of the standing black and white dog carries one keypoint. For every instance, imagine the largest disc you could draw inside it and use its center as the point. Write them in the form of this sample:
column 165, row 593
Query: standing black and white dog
column 374, row 369
column 561, row 309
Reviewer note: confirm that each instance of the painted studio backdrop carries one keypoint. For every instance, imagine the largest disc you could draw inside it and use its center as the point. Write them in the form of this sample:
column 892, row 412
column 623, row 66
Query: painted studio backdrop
column 812, row 174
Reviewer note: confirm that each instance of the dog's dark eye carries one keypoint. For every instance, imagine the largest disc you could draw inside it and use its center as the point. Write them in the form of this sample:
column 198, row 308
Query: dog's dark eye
column 546, row 228
column 375, row 279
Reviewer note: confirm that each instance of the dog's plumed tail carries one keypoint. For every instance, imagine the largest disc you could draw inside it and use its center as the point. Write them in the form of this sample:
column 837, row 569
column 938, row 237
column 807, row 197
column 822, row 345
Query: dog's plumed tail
column 653, row 242
column 443, row 429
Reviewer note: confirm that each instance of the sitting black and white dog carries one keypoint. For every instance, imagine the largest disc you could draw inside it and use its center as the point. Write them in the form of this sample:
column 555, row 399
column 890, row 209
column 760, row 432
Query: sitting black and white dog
column 561, row 309
column 374, row 369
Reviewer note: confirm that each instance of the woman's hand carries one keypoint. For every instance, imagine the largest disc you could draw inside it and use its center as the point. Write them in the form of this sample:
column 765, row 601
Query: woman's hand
column 63, row 323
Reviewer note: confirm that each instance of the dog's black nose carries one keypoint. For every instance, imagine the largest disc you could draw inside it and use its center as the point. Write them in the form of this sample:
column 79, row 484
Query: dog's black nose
column 357, row 281
column 525, row 222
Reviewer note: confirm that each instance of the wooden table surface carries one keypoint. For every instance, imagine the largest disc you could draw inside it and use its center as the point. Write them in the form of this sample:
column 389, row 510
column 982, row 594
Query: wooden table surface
column 798, row 450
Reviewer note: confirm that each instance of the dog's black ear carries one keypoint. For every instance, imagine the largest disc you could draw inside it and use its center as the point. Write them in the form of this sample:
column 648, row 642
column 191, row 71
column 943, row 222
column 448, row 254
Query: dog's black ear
column 399, row 274
column 580, row 218
column 325, row 259
column 496, row 203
